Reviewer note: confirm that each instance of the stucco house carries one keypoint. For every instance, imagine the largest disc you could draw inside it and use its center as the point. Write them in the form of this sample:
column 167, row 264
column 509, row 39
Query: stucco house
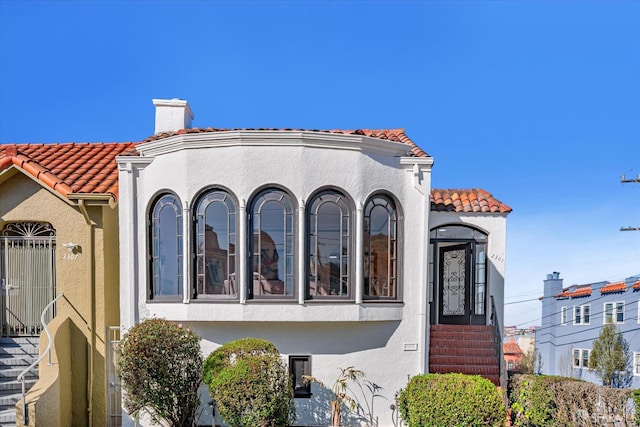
column 330, row 244
column 59, row 239
column 572, row 318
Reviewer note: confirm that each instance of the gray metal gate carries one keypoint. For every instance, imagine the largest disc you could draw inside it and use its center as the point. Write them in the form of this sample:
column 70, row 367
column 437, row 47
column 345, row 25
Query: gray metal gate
column 27, row 276
column 113, row 388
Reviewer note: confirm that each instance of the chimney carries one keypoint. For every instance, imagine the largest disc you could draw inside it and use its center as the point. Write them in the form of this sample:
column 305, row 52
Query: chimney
column 172, row 115
column 553, row 285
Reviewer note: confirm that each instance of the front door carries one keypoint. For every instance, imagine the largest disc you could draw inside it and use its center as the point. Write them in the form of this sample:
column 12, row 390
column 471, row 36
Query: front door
column 27, row 276
column 455, row 284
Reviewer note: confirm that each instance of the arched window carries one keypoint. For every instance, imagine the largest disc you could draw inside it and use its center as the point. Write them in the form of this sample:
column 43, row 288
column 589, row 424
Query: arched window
column 272, row 225
column 215, row 245
column 380, row 248
column 166, row 247
column 329, row 245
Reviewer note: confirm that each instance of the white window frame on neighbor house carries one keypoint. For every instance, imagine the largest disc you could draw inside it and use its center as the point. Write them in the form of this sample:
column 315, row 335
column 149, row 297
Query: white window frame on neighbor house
column 580, row 315
column 636, row 363
column 563, row 315
column 579, row 357
column 613, row 312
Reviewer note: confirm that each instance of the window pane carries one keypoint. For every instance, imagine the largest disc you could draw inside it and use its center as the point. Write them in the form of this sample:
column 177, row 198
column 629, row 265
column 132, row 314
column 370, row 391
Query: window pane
column 272, row 222
column 620, row 312
column 329, row 248
column 299, row 366
column 379, row 251
column 167, row 247
column 215, row 224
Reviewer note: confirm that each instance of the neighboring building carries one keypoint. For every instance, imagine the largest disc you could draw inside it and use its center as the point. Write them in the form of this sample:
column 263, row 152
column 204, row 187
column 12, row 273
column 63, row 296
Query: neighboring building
column 525, row 338
column 512, row 355
column 59, row 235
column 572, row 318
column 330, row 244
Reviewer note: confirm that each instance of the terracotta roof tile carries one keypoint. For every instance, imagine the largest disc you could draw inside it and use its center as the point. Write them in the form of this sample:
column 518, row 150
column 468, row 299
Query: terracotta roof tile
column 613, row 287
column 583, row 291
column 70, row 167
column 469, row 200
column 395, row 135
column 636, row 286
column 511, row 348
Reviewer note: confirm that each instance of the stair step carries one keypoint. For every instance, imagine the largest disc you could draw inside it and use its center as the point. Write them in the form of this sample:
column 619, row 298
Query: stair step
column 12, row 373
column 12, row 385
column 442, row 359
column 16, row 350
column 16, row 361
column 8, row 417
column 484, row 351
column 468, row 370
column 453, row 343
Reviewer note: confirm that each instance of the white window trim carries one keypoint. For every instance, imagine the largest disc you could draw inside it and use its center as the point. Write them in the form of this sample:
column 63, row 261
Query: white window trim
column 563, row 315
column 581, row 307
column 580, row 359
column 636, row 363
column 614, row 312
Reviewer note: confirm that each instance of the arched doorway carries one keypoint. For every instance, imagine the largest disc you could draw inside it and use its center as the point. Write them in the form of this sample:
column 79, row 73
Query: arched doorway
column 458, row 275
column 27, row 275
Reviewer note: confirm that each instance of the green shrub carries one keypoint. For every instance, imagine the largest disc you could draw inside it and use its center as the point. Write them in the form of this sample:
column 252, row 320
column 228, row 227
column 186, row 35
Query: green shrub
column 636, row 401
column 250, row 384
column 539, row 400
column 451, row 400
column 159, row 364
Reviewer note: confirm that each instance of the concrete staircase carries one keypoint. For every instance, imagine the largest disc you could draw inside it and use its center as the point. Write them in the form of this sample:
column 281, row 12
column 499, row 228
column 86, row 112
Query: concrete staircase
column 16, row 354
column 465, row 349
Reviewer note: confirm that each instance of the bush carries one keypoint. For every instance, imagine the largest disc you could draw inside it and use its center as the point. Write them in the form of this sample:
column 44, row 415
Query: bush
column 538, row 400
column 160, row 363
column 636, row 402
column 451, row 400
column 250, row 384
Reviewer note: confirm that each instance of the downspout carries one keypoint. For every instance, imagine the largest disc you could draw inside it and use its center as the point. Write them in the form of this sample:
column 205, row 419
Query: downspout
column 92, row 316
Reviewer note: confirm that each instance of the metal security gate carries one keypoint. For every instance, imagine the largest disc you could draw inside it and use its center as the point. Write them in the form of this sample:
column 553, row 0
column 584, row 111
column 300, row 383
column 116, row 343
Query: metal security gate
column 27, row 275
column 113, row 389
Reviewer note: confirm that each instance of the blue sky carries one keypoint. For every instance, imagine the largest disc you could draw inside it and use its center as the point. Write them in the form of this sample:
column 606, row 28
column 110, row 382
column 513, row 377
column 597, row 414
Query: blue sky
column 537, row 102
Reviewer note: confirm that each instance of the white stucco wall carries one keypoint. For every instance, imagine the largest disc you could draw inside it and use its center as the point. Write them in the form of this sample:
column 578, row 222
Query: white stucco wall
column 384, row 339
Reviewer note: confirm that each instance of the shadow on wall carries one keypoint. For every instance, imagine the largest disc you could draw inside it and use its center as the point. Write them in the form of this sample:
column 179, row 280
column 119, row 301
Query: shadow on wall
column 346, row 337
column 316, row 411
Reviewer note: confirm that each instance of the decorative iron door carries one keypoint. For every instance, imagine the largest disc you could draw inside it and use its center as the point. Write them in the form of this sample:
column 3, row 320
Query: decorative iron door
column 27, row 276
column 455, row 284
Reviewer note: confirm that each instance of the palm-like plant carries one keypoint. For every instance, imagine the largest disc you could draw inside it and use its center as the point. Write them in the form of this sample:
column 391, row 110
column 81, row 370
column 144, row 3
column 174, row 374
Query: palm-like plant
column 340, row 391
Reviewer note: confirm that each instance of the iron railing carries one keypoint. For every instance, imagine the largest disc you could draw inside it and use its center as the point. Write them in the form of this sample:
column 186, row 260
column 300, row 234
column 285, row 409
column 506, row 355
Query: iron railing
column 47, row 352
column 497, row 336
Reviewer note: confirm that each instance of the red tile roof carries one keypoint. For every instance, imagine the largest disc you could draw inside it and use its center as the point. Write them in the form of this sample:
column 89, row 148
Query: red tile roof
column 584, row 291
column 71, row 167
column 636, row 286
column 511, row 348
column 395, row 135
column 613, row 287
column 471, row 200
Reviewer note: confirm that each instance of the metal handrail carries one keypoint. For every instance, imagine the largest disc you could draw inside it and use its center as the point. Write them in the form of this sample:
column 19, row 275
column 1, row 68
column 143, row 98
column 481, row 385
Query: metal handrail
column 25, row 419
column 497, row 335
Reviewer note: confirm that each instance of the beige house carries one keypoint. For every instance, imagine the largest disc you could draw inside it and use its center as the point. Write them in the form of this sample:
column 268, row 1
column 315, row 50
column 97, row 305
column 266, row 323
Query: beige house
column 59, row 239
